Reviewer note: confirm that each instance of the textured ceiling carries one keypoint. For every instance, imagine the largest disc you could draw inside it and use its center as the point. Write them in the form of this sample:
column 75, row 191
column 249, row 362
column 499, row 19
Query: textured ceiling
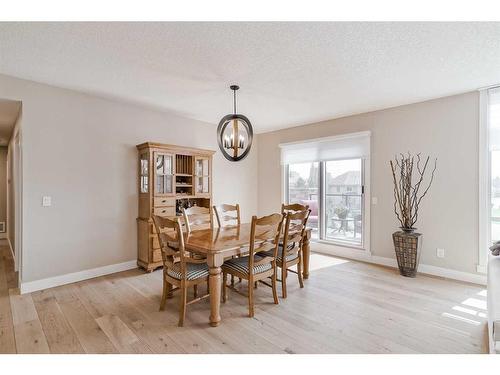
column 289, row 73
column 9, row 110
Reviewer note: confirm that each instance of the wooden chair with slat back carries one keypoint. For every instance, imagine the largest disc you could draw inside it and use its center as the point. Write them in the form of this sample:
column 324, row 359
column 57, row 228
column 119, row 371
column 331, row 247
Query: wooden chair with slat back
column 294, row 207
column 291, row 208
column 179, row 268
column 197, row 218
column 260, row 263
column 227, row 214
column 290, row 248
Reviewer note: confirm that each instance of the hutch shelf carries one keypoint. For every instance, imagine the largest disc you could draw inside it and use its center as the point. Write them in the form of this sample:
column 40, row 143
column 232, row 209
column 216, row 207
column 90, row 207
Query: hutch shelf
column 170, row 177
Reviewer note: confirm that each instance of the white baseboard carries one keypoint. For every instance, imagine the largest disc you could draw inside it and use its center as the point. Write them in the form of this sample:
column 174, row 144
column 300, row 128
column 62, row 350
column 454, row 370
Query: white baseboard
column 33, row 286
column 391, row 262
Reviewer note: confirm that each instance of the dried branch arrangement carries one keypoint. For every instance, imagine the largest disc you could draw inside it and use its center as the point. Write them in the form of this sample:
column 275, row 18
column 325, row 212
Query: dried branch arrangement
column 407, row 194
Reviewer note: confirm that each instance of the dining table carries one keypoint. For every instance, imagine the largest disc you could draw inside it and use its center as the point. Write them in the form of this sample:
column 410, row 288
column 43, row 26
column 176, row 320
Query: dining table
column 218, row 244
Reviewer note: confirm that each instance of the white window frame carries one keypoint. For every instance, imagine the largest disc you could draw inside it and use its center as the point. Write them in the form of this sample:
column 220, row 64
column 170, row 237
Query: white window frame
column 484, row 177
column 339, row 247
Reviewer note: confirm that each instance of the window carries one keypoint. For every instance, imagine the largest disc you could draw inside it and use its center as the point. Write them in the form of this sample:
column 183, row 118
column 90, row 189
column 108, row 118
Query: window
column 329, row 176
column 494, row 154
column 489, row 173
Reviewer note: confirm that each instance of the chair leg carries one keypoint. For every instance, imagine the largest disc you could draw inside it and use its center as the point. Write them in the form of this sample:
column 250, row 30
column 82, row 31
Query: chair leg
column 166, row 291
column 255, row 284
column 283, row 281
column 275, row 291
column 195, row 291
column 224, row 287
column 182, row 311
column 250, row 300
column 299, row 273
column 232, row 280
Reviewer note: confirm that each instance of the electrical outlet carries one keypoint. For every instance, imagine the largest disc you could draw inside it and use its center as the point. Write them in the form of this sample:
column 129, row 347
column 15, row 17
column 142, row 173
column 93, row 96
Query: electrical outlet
column 440, row 253
column 46, row 201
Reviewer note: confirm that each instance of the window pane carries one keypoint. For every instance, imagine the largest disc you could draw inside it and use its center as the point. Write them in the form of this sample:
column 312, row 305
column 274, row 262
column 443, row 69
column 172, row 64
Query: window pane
column 144, row 184
column 199, row 167
column 495, row 195
column 344, row 201
column 494, row 147
column 303, row 188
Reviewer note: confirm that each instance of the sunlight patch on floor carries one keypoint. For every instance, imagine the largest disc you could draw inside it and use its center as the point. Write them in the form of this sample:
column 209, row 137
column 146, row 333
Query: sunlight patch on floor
column 319, row 261
column 483, row 293
column 474, row 302
column 461, row 318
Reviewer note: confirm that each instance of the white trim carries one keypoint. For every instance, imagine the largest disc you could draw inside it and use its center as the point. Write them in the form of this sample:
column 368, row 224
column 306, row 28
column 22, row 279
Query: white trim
column 496, row 85
column 366, row 133
column 363, row 256
column 33, row 286
column 367, row 219
column 482, row 269
column 484, row 183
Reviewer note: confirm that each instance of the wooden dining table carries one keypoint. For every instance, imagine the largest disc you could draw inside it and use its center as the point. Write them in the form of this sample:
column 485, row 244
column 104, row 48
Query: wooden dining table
column 218, row 244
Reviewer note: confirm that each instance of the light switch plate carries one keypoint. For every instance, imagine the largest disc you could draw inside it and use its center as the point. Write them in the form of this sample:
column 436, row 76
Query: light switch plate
column 46, row 201
column 374, row 200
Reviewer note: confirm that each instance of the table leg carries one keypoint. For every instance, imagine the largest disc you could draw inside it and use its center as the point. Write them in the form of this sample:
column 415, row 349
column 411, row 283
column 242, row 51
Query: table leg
column 306, row 253
column 214, row 282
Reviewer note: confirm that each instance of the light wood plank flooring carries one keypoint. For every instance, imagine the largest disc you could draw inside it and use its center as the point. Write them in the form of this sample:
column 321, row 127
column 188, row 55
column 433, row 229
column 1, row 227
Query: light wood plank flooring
column 345, row 307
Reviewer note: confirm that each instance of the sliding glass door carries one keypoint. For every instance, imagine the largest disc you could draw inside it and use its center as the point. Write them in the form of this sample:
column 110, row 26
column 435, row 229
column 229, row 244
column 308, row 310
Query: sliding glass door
column 334, row 191
column 343, row 201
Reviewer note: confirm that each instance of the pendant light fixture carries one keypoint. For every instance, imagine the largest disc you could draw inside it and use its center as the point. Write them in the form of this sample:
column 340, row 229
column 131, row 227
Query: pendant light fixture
column 234, row 133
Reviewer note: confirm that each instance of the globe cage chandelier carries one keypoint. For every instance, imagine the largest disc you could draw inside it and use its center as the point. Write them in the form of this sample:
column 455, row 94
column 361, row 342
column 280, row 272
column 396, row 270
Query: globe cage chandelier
column 235, row 133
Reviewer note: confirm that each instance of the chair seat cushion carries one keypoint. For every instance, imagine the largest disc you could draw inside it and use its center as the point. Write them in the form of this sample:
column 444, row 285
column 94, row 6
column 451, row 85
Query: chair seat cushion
column 241, row 265
column 290, row 246
column 279, row 258
column 193, row 271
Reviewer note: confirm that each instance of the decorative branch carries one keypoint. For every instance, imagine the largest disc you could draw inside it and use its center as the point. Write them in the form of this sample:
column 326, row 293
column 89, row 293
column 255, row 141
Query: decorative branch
column 405, row 169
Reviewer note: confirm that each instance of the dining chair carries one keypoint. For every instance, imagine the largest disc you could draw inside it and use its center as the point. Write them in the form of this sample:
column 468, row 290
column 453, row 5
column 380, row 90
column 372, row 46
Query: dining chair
column 290, row 249
column 197, row 217
column 256, row 266
column 227, row 214
column 293, row 207
column 179, row 268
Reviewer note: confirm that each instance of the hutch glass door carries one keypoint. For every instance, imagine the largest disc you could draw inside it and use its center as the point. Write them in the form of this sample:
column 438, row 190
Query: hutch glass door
column 202, row 172
column 164, row 171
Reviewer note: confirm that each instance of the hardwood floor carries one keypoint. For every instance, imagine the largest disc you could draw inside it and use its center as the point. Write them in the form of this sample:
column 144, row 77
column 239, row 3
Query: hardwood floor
column 345, row 307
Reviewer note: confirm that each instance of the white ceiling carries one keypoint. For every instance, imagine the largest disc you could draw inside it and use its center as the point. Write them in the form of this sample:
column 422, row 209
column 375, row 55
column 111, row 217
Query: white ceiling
column 289, row 73
column 9, row 110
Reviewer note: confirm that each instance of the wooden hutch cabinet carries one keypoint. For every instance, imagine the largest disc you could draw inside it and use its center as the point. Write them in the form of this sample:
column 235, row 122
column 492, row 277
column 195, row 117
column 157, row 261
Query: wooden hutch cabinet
column 170, row 177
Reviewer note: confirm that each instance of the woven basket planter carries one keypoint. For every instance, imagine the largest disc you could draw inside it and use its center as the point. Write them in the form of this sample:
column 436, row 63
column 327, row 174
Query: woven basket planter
column 407, row 247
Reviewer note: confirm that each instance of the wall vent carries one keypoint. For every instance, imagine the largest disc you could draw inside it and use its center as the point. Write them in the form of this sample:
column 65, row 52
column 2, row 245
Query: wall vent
column 2, row 226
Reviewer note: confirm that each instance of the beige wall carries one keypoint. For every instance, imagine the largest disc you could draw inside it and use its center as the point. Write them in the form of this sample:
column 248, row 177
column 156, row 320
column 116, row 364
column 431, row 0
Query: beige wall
column 80, row 150
column 445, row 128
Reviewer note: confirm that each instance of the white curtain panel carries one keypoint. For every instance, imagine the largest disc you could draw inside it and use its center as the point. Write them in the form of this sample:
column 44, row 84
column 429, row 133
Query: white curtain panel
column 494, row 118
column 345, row 146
